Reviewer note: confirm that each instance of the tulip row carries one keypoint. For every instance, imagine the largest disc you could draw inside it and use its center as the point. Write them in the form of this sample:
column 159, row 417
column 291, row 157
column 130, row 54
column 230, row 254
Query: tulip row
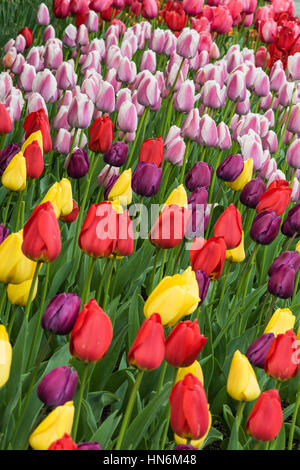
column 127, row 334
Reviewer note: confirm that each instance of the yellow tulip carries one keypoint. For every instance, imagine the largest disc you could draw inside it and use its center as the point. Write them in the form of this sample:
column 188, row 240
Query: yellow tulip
column 174, row 297
column 281, row 321
column 243, row 178
column 53, row 427
column 195, row 443
column 195, row 369
column 178, row 196
column 242, row 384
column 18, row 293
column 5, row 356
column 15, row 267
column 35, row 136
column 298, row 246
column 54, row 195
column 121, row 190
column 237, row 255
column 14, row 176
column 66, row 197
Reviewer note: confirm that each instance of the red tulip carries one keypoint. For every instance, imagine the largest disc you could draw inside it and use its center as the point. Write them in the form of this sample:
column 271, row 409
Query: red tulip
column 34, row 160
column 148, row 349
column 65, row 443
column 265, row 419
column 189, row 410
column 184, row 344
column 27, row 34
column 287, row 35
column 282, row 361
column 61, row 8
column 229, row 226
column 91, row 334
column 41, row 234
column 101, row 135
column 152, row 151
column 208, row 255
column 72, row 216
column 170, row 227
column 275, row 199
column 98, row 236
column 38, row 120
column 125, row 240
column 174, row 15
column 5, row 121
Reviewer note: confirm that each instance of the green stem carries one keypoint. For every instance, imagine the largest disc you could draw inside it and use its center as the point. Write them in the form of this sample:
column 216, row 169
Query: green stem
column 30, row 295
column 129, row 409
column 108, row 283
column 11, row 320
column 79, row 400
column 154, row 270
column 161, row 272
column 19, row 210
column 7, row 207
column 186, row 154
column 86, row 289
column 102, row 280
column 295, row 414
column 143, row 117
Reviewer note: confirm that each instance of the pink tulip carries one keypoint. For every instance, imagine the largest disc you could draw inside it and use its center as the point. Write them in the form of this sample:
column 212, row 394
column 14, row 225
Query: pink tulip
column 175, row 150
column 60, row 120
column 224, row 138
column 105, row 100
column 243, row 107
column 270, row 142
column 15, row 103
column 187, row 43
column 205, row 41
column 45, row 84
column 123, row 95
column 293, row 66
column 236, row 86
column 149, row 9
column 66, row 77
column 193, row 7
column 127, row 117
column 157, row 39
column 191, row 124
column 212, row 95
column 42, row 15
column 106, row 174
column 26, row 77
column 92, row 21
column 271, row 117
column 285, row 93
column 184, row 99
column 208, row 133
column 90, row 86
column 148, row 93
column 80, row 112
column 62, row 142
column 293, row 154
column 169, row 43
column 69, row 38
column 35, row 102
column 260, row 56
column 92, row 61
column 138, row 106
column 148, row 61
column 20, row 43
column 268, row 31
column 49, row 33
column 112, row 78
column 53, row 55
column 126, row 70
column 18, row 64
column 234, row 59
column 251, row 147
column 295, row 190
column 261, row 85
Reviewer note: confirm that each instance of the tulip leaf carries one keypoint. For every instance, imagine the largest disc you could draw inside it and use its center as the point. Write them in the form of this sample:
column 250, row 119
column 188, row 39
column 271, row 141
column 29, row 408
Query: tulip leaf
column 213, row 436
column 134, row 316
column 59, row 278
column 139, row 426
column 279, row 442
column 106, row 430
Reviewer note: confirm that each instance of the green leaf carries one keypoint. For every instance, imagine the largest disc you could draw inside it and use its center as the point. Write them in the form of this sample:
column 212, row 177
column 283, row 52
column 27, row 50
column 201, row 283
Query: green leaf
column 105, row 431
column 139, row 426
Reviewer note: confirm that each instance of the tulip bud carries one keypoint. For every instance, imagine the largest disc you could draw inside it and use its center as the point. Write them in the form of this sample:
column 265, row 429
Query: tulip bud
column 281, row 282
column 61, row 313
column 282, row 361
column 208, row 255
column 89, row 446
column 251, row 192
column 231, row 168
column 258, row 350
column 80, row 112
column 127, row 117
column 91, row 334
column 184, row 344
column 58, row 386
column 6, row 155
column 267, row 405
column 14, row 175
column 236, row 86
column 146, row 179
column 5, row 356
column 199, row 176
column 64, row 443
column 42, row 15
column 147, row 350
column 292, row 154
column 242, row 384
column 231, row 217
column 53, row 427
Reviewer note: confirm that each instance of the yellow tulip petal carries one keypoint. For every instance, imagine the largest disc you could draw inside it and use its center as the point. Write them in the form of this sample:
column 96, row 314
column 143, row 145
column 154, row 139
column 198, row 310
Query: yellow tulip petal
column 243, row 178
column 35, row 136
column 14, row 176
column 281, row 321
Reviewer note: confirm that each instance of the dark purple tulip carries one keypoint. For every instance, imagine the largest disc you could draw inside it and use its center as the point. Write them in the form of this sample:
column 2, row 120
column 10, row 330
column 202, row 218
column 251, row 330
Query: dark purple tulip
column 286, row 228
column 61, row 313
column 58, row 386
column 294, row 218
column 199, row 176
column 289, row 258
column 258, row 350
column 117, row 154
column 231, row 168
column 89, row 446
column 79, row 164
column 146, row 179
column 251, row 192
column 3, row 233
column 265, row 227
column 197, row 203
column 203, row 283
column 6, row 155
column 185, row 447
column 281, row 283
column 109, row 185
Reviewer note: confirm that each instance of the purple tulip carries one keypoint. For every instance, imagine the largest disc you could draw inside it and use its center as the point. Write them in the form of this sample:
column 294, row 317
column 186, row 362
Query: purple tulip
column 199, row 176
column 203, row 281
column 78, row 165
column 288, row 258
column 89, row 446
column 281, row 282
column 61, row 313
column 231, row 168
column 58, row 386
column 251, row 192
column 185, row 447
column 258, row 350
column 109, row 185
column 7, row 154
column 293, row 218
column 265, row 227
column 3, row 233
column 117, row 154
column 146, row 179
